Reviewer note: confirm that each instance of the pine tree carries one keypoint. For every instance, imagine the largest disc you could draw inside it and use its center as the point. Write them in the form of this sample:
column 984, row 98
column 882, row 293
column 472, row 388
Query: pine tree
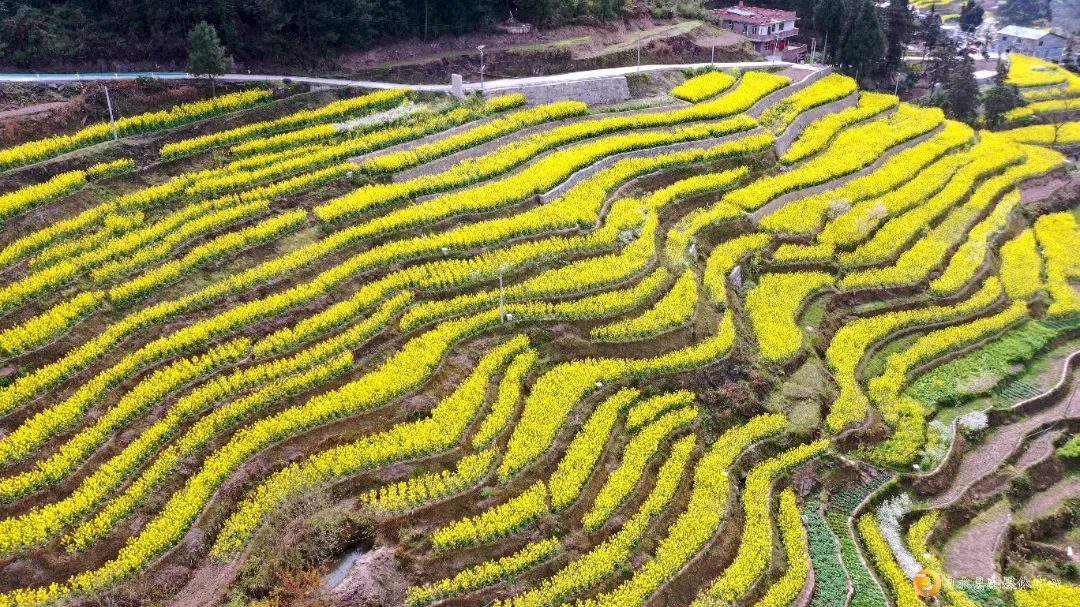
column 931, row 31
column 1068, row 57
column 971, row 16
column 940, row 65
column 829, row 19
column 898, row 32
column 864, row 45
column 962, row 92
column 206, row 55
column 1001, row 98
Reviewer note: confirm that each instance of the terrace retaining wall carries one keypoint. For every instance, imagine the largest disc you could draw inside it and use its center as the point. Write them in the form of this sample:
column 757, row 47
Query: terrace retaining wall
column 594, row 91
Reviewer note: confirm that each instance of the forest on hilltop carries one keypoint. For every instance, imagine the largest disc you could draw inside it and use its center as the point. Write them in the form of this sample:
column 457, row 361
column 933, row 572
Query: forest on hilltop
column 35, row 31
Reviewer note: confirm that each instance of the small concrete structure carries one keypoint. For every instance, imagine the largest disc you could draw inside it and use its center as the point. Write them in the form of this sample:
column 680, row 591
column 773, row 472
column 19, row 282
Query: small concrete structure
column 1029, row 41
column 456, row 87
column 597, row 91
column 513, row 26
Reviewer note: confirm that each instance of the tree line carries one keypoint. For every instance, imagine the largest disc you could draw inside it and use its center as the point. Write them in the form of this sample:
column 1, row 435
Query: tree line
column 43, row 32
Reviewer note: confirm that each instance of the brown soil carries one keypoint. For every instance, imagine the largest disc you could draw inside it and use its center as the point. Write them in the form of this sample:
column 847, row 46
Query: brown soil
column 373, row 580
column 973, row 551
column 1045, row 502
column 568, row 48
column 999, row 445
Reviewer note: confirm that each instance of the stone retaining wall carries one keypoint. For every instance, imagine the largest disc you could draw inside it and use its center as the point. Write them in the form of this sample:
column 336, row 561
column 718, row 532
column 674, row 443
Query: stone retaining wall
column 597, row 91
column 784, row 140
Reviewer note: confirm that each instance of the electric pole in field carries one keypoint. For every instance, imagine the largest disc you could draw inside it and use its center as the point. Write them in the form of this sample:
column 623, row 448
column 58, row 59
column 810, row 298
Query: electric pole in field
column 481, row 49
column 112, row 119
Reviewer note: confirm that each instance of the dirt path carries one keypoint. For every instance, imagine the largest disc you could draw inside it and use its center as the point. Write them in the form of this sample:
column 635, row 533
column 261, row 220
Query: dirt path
column 32, row 109
column 1044, row 502
column 996, row 448
column 973, row 551
column 1038, row 449
column 207, row 585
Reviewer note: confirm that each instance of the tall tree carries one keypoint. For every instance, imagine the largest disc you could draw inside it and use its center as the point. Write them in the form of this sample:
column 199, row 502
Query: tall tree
column 1068, row 56
column 829, row 19
column 930, row 32
column 971, row 16
column 1001, row 97
column 1024, row 12
column 897, row 32
column 941, row 62
column 863, row 47
column 962, row 92
column 206, row 55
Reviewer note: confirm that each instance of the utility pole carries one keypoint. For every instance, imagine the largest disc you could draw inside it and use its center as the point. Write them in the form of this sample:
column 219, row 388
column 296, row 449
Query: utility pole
column 112, row 119
column 712, row 55
column 481, row 49
column 639, row 57
column 502, row 308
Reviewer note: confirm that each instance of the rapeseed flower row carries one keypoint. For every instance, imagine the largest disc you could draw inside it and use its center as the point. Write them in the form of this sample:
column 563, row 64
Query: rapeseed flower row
column 579, row 459
column 782, row 592
column 820, row 132
column 635, row 457
column 403, row 370
column 484, row 574
column 504, row 125
column 826, row 90
column 723, row 259
column 41, row 149
column 1025, row 71
column 806, row 215
column 33, row 195
column 506, row 401
column 1059, row 239
column 852, row 340
column 772, row 306
column 494, row 522
column 699, row 521
column 326, row 113
column 703, row 86
column 885, row 388
column 675, row 309
column 903, row 591
column 756, row 544
column 928, row 252
column 586, row 570
column 650, row 408
column 969, row 257
column 1021, row 266
column 417, row 491
column 853, row 149
column 986, row 159
column 559, row 390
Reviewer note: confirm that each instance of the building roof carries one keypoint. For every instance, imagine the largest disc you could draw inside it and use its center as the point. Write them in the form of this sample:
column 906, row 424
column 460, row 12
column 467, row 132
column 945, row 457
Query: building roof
column 754, row 14
column 1024, row 32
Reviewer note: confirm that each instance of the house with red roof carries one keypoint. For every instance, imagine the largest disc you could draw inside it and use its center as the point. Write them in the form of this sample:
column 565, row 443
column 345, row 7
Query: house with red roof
column 770, row 30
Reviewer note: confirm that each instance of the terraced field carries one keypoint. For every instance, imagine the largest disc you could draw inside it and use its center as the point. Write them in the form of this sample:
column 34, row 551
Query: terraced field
column 696, row 354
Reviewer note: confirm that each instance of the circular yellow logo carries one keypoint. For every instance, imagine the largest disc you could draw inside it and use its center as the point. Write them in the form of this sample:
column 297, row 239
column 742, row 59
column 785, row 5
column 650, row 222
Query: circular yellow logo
column 927, row 583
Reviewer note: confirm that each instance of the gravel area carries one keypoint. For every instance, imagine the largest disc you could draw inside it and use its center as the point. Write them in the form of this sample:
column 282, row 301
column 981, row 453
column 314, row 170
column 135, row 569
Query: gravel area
column 973, row 551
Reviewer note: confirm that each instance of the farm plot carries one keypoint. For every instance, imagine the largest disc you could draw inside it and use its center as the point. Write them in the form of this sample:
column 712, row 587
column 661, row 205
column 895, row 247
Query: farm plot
column 528, row 349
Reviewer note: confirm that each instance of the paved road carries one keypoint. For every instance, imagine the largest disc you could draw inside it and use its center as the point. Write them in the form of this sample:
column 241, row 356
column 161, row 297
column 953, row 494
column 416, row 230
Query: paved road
column 442, row 88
